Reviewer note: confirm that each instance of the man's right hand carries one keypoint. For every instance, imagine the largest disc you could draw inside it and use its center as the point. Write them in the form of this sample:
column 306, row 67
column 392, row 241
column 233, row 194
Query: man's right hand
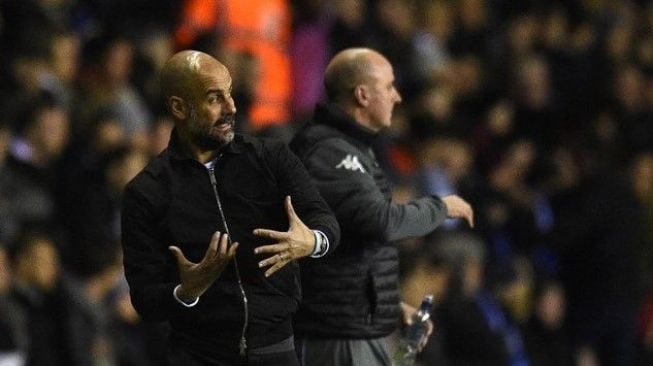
column 196, row 278
column 459, row 208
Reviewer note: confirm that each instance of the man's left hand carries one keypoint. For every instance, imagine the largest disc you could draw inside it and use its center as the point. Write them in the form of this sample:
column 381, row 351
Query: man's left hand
column 407, row 312
column 297, row 242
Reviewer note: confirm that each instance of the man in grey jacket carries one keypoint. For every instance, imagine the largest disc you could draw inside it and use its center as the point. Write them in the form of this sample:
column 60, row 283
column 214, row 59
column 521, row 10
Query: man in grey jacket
column 351, row 301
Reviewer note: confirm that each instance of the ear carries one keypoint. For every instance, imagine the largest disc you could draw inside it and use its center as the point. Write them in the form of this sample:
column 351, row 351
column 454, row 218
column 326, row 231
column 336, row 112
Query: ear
column 361, row 95
column 178, row 107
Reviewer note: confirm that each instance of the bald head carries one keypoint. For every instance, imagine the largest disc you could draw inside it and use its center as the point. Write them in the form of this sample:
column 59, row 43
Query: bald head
column 361, row 82
column 348, row 69
column 183, row 69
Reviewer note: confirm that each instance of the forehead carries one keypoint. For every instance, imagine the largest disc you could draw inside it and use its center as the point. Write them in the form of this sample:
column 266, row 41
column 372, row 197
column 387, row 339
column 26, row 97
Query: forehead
column 212, row 76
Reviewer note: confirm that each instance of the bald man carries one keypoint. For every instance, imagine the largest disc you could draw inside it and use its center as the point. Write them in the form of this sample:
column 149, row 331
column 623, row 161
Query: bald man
column 351, row 299
column 211, row 228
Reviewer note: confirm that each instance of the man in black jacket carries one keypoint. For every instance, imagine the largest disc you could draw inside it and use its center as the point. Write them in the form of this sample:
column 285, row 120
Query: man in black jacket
column 351, row 300
column 185, row 214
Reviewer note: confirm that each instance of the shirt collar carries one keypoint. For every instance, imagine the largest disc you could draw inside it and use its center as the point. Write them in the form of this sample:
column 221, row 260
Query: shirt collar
column 334, row 116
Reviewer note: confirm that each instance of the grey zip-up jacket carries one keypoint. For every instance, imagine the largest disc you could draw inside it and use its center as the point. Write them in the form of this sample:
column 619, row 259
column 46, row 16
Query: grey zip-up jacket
column 354, row 293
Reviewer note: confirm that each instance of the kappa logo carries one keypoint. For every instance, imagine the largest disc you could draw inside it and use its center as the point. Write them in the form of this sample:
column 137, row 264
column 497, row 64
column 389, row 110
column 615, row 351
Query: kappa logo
column 350, row 162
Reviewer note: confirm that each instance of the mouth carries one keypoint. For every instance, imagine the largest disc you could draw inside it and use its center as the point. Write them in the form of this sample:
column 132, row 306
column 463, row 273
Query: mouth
column 224, row 124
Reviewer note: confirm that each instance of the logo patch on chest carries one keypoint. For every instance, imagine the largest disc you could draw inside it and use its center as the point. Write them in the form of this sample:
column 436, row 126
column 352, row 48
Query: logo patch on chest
column 350, row 162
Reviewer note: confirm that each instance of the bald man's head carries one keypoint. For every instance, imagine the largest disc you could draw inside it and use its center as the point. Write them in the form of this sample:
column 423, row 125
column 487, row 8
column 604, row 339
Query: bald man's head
column 197, row 89
column 361, row 82
column 348, row 69
column 183, row 69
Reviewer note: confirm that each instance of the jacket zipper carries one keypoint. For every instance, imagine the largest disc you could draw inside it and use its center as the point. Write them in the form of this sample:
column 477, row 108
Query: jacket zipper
column 214, row 182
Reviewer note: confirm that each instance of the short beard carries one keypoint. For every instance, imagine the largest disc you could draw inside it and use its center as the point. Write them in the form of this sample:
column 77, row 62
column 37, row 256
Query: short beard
column 205, row 140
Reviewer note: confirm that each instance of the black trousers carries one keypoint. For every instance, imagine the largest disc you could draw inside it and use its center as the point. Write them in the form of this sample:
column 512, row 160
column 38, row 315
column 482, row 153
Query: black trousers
column 180, row 356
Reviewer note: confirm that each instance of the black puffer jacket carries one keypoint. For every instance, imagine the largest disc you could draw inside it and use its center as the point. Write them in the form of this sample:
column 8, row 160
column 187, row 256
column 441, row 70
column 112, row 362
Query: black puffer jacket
column 172, row 202
column 353, row 293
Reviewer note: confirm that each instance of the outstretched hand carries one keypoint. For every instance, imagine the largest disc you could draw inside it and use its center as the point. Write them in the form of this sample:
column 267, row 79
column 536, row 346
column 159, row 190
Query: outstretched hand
column 297, row 242
column 458, row 207
column 196, row 278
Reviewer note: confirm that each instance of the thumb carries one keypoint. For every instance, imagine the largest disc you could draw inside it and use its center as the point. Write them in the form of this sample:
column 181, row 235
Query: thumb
column 179, row 256
column 290, row 211
column 408, row 318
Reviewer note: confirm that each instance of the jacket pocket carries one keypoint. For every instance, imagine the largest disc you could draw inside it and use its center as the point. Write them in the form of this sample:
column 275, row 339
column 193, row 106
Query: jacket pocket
column 372, row 297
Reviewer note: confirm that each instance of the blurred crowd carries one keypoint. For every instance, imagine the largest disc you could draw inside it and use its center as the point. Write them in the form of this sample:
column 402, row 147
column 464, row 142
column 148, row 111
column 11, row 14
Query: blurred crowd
column 540, row 113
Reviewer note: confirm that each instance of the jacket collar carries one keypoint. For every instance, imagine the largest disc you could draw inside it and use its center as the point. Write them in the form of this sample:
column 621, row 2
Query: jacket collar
column 178, row 151
column 334, row 116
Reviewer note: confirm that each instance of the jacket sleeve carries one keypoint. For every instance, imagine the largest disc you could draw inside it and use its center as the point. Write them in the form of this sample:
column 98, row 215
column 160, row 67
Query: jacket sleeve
column 145, row 260
column 359, row 203
column 311, row 208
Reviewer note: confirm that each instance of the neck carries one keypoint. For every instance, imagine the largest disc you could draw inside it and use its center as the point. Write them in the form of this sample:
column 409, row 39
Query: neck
column 203, row 156
column 361, row 117
column 200, row 154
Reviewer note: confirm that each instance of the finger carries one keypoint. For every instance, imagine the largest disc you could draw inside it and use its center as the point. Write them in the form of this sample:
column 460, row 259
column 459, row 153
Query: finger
column 467, row 213
column 269, row 260
column 470, row 218
column 408, row 319
column 213, row 245
column 271, row 234
column 224, row 243
column 272, row 248
column 283, row 256
column 179, row 256
column 232, row 250
column 277, row 266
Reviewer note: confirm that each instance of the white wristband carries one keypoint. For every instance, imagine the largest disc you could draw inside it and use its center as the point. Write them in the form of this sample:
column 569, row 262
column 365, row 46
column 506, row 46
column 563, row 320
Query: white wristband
column 321, row 244
column 185, row 304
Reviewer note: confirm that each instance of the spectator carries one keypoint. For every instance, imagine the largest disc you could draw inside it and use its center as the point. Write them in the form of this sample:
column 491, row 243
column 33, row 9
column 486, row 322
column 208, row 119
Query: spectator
column 13, row 343
column 62, row 330
column 260, row 28
column 476, row 328
column 596, row 241
column 545, row 335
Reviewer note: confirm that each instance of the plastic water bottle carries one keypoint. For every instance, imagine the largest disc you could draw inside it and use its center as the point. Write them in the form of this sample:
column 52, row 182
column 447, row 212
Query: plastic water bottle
column 414, row 335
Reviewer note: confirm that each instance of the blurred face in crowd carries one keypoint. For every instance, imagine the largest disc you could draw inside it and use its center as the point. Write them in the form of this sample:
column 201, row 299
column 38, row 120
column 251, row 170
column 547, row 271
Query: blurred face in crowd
column 50, row 133
column 472, row 276
column 5, row 271
column 381, row 92
column 160, row 135
column 118, row 61
column 65, row 57
column 109, row 134
column 500, row 118
column 351, row 12
column 4, row 142
column 642, row 176
column 124, row 170
column 550, row 307
column 39, row 265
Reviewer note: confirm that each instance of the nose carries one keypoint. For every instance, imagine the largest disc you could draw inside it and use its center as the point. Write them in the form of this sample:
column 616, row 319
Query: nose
column 397, row 96
column 230, row 105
